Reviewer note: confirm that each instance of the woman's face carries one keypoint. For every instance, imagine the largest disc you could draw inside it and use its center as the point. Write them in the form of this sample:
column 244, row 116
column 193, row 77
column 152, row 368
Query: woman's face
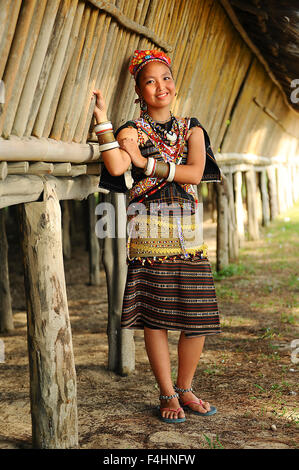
column 156, row 85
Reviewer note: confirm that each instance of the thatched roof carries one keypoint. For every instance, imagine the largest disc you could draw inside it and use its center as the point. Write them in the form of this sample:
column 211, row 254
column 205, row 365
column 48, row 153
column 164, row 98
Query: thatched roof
column 272, row 28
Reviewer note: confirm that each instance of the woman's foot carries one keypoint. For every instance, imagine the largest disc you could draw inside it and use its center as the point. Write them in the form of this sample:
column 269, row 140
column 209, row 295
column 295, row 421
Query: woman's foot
column 171, row 410
column 189, row 401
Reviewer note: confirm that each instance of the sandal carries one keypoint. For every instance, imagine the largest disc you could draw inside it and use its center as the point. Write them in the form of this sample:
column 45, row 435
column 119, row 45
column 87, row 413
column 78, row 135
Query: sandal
column 186, row 406
column 171, row 420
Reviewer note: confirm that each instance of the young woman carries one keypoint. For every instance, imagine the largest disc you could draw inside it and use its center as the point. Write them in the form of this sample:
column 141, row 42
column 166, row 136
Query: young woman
column 169, row 283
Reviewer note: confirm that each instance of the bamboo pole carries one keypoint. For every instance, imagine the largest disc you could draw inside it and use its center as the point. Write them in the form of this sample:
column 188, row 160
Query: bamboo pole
column 82, row 76
column 96, row 73
column 33, row 149
column 53, row 393
column 15, row 58
column 86, row 113
column 58, row 27
column 129, row 24
column 44, row 109
column 8, row 19
column 71, row 44
column 60, row 125
column 30, row 44
column 27, row 97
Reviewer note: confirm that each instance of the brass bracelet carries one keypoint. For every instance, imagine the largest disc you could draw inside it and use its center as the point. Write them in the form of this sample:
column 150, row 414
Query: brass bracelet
column 106, row 137
column 161, row 170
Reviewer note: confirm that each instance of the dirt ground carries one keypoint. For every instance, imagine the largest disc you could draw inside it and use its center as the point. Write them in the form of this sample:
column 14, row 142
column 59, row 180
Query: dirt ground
column 246, row 372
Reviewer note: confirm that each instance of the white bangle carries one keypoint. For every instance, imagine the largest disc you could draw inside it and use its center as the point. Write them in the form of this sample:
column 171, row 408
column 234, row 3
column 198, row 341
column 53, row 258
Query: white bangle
column 171, row 174
column 149, row 166
column 109, row 146
column 103, row 126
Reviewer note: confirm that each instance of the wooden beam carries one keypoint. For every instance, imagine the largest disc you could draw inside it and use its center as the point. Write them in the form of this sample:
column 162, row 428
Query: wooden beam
column 16, row 189
column 131, row 25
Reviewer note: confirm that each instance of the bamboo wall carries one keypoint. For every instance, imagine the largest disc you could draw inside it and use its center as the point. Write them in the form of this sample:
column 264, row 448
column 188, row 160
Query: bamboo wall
column 54, row 53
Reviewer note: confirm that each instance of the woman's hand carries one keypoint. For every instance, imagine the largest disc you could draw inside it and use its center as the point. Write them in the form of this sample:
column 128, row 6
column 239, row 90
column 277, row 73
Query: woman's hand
column 100, row 109
column 130, row 145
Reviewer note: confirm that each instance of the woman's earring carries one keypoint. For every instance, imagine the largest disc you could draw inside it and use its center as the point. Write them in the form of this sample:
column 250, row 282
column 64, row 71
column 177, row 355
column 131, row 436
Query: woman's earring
column 143, row 105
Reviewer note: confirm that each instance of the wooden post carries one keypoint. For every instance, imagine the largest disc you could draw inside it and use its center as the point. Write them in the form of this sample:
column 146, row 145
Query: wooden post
column 6, row 318
column 66, row 229
column 94, row 247
column 265, row 199
column 51, row 360
column 239, row 210
column 272, row 188
column 281, row 190
column 233, row 239
column 253, row 228
column 121, row 355
column 222, row 259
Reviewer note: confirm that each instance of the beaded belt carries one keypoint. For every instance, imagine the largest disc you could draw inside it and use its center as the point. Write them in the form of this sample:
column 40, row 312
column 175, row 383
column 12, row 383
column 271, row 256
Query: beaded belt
column 155, row 236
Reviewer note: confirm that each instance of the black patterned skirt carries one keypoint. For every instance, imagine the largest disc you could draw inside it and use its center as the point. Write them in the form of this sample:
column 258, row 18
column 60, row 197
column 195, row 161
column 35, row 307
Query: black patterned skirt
column 175, row 294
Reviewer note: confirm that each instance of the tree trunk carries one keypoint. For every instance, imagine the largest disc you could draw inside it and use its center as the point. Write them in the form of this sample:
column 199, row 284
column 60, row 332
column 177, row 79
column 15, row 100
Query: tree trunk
column 51, row 360
column 6, row 318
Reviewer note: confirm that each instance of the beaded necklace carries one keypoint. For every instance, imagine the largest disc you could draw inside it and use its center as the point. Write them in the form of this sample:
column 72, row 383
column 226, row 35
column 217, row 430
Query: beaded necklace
column 169, row 153
column 170, row 137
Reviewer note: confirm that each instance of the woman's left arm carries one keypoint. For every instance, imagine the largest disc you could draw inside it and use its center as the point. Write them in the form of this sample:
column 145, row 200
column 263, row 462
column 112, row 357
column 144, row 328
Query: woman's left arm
column 193, row 170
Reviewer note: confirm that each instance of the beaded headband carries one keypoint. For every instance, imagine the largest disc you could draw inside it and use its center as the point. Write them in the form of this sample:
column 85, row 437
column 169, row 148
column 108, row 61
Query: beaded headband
column 142, row 58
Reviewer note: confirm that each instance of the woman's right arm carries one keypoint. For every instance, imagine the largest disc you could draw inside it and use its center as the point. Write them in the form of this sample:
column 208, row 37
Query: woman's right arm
column 117, row 160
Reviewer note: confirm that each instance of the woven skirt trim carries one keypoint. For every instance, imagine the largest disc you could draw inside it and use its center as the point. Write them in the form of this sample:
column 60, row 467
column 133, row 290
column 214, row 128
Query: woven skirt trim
column 174, row 295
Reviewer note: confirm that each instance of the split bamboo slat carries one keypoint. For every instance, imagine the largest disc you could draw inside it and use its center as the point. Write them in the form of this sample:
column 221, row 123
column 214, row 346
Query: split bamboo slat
column 26, row 103
column 9, row 12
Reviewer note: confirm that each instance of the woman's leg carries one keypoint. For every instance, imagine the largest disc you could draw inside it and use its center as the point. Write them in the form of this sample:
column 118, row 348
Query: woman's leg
column 156, row 343
column 189, row 352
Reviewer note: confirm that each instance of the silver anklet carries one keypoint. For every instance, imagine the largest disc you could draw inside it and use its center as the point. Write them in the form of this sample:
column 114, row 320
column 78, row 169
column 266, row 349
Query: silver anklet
column 168, row 397
column 183, row 390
